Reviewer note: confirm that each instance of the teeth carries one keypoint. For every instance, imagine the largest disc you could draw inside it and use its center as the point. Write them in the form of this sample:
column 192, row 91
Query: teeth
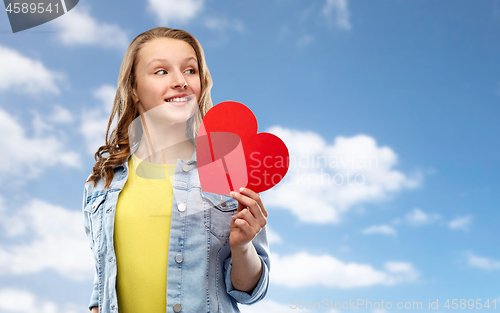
column 177, row 99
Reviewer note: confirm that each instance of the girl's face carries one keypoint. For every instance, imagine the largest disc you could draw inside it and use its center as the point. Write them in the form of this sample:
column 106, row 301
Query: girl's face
column 167, row 71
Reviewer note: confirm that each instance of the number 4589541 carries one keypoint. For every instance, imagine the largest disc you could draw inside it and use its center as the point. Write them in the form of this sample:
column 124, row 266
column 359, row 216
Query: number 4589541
column 470, row 304
column 31, row 7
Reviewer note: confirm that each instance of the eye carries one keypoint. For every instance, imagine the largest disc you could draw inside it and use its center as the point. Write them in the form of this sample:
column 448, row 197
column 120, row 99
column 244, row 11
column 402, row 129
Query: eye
column 191, row 71
column 161, row 71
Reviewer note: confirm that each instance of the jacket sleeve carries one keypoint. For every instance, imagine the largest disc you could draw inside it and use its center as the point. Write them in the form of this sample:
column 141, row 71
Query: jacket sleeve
column 94, row 298
column 261, row 245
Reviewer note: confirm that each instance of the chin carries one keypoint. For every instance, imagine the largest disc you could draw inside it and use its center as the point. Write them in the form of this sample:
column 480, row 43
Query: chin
column 177, row 119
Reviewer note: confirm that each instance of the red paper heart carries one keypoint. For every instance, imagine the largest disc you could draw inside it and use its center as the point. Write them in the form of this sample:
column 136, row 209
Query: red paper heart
column 230, row 154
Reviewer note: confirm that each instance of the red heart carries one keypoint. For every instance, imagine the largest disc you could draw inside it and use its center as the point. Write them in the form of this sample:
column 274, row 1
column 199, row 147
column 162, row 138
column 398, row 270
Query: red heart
column 230, row 154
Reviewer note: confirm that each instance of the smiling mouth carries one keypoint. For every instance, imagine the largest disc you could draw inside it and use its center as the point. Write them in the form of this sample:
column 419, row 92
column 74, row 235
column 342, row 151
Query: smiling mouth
column 180, row 99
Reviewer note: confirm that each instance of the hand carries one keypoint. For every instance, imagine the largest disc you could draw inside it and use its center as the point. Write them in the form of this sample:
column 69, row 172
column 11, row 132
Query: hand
column 249, row 219
column 95, row 309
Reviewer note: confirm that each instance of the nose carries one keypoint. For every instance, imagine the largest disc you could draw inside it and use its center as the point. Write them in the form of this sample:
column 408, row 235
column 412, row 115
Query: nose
column 178, row 80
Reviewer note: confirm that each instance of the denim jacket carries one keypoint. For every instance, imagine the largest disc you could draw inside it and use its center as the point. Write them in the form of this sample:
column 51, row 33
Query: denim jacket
column 199, row 260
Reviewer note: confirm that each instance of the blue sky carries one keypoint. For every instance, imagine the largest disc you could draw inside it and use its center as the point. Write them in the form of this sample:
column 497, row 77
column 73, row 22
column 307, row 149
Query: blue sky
column 413, row 86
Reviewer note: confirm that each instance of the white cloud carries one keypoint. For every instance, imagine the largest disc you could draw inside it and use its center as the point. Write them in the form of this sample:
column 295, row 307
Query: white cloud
column 78, row 27
column 40, row 126
column 46, row 124
column 396, row 221
column 418, row 217
column 94, row 121
column 23, row 74
column 172, row 11
column 60, row 115
column 106, row 93
column 304, row 40
column 22, row 301
column 58, row 242
column 296, row 271
column 268, row 306
column 460, row 223
column 26, row 157
column 224, row 23
column 483, row 262
column 283, row 32
column 222, row 26
column 337, row 10
column 380, row 229
column 325, row 180
column 272, row 236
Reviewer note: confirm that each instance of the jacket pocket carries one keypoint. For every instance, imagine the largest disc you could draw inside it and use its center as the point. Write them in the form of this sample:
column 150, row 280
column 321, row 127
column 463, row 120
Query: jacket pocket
column 219, row 208
column 94, row 203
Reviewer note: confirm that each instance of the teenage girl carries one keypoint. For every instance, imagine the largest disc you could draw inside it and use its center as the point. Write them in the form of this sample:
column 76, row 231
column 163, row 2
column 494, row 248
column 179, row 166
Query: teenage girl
column 162, row 244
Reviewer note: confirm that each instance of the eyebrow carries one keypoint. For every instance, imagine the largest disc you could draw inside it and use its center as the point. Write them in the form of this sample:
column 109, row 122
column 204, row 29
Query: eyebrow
column 165, row 60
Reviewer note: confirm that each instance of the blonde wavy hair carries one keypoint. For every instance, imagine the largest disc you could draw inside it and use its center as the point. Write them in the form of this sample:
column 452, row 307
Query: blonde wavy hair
column 116, row 147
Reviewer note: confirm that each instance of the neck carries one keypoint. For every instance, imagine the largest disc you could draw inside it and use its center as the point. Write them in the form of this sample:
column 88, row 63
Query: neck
column 164, row 143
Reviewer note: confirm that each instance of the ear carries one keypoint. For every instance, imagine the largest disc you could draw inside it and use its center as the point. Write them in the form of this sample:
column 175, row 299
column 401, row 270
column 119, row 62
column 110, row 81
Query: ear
column 134, row 95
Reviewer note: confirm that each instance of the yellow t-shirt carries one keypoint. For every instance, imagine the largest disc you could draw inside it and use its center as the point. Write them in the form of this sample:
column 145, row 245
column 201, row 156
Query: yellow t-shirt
column 141, row 233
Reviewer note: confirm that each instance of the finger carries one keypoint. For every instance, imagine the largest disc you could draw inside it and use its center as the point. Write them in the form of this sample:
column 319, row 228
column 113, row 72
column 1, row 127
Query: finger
column 252, row 194
column 245, row 227
column 246, row 215
column 252, row 205
column 255, row 213
column 240, row 207
column 255, row 225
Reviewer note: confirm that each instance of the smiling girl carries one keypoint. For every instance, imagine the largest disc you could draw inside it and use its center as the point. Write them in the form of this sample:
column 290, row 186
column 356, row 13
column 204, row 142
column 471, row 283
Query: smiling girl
column 160, row 243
